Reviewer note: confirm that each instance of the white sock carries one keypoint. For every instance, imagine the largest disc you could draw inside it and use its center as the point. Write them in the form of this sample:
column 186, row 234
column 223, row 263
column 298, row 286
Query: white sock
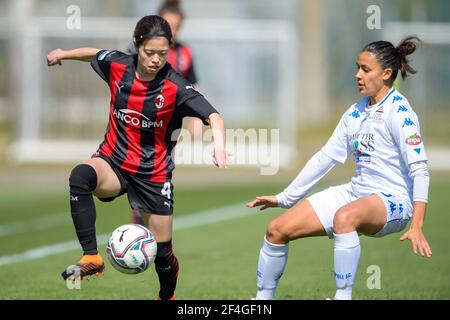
column 271, row 264
column 346, row 258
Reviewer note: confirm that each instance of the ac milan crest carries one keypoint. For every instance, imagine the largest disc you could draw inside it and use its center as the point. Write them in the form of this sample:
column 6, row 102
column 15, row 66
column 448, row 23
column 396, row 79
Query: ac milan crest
column 159, row 101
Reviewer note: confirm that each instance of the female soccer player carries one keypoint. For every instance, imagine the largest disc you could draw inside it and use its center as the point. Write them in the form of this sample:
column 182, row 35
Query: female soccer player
column 389, row 188
column 180, row 55
column 181, row 59
column 148, row 102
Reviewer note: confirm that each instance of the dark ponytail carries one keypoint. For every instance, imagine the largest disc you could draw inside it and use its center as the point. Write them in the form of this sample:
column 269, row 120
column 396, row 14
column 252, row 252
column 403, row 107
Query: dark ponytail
column 405, row 48
column 394, row 57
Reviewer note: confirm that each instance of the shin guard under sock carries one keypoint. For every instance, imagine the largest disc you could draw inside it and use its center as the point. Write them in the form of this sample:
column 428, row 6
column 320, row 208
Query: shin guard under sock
column 83, row 180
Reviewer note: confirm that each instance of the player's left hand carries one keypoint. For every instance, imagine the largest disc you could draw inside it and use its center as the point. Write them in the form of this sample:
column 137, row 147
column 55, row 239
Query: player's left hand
column 220, row 158
column 264, row 201
column 418, row 241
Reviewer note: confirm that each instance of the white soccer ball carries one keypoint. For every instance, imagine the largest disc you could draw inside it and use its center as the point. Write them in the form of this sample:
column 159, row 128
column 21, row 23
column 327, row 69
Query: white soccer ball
column 131, row 248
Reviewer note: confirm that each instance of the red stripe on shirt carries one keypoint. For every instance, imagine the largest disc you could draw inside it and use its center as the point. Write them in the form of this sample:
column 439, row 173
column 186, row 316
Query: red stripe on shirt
column 133, row 122
column 180, row 59
column 172, row 58
column 164, row 114
column 186, row 60
column 116, row 72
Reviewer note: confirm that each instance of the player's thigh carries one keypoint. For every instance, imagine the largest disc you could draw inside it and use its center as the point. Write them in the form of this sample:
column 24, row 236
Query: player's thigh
column 298, row 222
column 367, row 214
column 160, row 225
column 108, row 184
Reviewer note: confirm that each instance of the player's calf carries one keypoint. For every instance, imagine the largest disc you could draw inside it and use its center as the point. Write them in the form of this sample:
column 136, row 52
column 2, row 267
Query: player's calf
column 166, row 266
column 83, row 181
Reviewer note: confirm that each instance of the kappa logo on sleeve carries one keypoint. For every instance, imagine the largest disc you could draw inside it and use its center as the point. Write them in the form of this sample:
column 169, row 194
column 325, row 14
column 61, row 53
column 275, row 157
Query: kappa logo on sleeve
column 397, row 98
column 402, row 109
column 414, row 139
column 355, row 114
column 408, row 122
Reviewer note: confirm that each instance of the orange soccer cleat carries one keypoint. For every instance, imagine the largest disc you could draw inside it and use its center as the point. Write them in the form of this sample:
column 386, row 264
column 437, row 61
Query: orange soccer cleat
column 90, row 264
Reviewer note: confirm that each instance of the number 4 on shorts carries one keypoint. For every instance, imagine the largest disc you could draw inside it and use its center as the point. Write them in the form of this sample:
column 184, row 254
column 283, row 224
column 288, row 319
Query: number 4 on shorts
column 165, row 191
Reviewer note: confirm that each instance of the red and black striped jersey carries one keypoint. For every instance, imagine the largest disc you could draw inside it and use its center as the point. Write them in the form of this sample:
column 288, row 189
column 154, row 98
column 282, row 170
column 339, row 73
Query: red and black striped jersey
column 144, row 116
column 180, row 58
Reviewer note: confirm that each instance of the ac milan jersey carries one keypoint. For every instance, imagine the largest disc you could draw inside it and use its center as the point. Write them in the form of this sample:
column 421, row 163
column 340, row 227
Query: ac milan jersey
column 180, row 58
column 144, row 116
column 384, row 140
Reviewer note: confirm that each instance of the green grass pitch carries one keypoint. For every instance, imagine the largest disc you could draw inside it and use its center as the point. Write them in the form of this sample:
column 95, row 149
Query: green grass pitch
column 217, row 260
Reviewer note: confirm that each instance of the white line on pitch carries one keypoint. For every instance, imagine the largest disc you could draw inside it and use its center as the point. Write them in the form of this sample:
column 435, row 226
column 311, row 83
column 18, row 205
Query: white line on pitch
column 59, row 219
column 42, row 223
column 193, row 220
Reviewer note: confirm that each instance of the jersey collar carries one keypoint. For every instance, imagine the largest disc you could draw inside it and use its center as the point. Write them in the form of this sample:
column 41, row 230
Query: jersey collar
column 387, row 96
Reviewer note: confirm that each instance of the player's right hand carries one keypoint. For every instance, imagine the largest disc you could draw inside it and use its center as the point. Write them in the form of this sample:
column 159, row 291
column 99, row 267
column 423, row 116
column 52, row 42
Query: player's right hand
column 418, row 242
column 264, row 201
column 220, row 158
column 54, row 57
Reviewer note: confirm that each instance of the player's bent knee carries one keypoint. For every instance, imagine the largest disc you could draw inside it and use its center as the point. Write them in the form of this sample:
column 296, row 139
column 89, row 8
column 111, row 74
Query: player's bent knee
column 275, row 233
column 83, row 179
column 343, row 221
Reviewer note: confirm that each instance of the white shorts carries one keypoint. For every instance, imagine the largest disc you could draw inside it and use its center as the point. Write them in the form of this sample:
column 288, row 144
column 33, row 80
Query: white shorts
column 327, row 202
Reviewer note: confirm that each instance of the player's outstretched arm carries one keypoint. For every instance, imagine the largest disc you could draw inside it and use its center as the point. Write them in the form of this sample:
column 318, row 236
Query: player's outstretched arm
column 264, row 201
column 81, row 54
column 415, row 234
column 220, row 156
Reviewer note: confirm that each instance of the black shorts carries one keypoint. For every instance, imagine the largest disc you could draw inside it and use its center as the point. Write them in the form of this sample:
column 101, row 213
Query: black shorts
column 146, row 196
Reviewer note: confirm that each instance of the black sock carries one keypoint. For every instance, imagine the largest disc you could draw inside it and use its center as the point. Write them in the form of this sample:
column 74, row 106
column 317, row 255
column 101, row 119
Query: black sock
column 83, row 180
column 166, row 266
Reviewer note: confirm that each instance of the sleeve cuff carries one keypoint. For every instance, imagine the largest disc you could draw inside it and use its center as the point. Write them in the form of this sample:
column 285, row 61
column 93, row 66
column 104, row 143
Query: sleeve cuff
column 281, row 199
column 420, row 200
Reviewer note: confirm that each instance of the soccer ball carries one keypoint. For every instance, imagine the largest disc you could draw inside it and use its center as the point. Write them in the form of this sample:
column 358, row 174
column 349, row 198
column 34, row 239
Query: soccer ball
column 131, row 248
